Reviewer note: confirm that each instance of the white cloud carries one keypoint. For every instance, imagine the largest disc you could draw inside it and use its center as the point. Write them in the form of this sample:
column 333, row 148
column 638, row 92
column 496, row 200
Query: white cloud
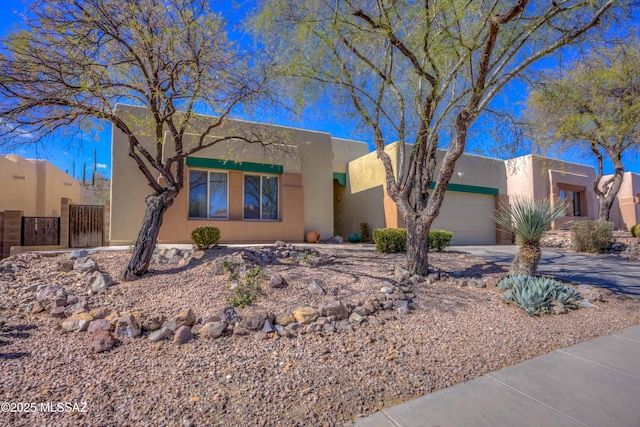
column 101, row 166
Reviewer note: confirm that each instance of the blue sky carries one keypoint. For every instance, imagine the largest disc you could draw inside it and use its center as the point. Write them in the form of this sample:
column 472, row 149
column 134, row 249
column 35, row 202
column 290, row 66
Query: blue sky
column 74, row 151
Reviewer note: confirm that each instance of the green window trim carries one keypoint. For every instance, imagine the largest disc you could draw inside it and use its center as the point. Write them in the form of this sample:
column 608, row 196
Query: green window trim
column 201, row 162
column 341, row 178
column 462, row 188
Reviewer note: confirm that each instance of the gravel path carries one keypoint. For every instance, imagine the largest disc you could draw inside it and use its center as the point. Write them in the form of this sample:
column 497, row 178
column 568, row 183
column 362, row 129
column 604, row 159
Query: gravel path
column 451, row 335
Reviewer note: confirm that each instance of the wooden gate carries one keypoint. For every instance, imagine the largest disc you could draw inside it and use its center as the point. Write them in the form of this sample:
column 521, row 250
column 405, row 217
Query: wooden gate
column 40, row 231
column 85, row 226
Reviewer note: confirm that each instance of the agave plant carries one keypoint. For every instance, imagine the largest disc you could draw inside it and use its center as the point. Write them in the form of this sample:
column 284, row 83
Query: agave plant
column 535, row 295
column 529, row 219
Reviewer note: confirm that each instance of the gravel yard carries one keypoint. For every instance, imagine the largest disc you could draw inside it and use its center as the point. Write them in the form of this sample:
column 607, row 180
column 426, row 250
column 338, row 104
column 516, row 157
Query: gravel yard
column 327, row 372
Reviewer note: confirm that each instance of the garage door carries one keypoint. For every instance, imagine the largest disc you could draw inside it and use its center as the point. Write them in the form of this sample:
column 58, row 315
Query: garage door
column 469, row 216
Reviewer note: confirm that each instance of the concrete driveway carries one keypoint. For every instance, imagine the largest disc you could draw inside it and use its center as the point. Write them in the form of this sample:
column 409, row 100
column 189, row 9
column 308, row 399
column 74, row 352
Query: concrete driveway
column 607, row 271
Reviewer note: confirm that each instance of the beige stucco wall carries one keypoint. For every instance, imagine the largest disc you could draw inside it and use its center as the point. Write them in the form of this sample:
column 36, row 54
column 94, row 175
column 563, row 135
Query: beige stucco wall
column 541, row 177
column 365, row 198
column 346, row 150
column 306, row 158
column 625, row 212
column 36, row 187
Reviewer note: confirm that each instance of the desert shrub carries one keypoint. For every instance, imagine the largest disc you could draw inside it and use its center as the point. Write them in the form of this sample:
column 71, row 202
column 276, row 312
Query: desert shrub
column 439, row 239
column 365, row 236
column 248, row 289
column 389, row 240
column 635, row 230
column 591, row 236
column 354, row 238
column 205, row 237
column 535, row 294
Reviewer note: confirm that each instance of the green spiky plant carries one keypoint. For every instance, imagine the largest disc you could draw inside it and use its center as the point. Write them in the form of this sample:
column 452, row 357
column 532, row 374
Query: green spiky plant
column 529, row 219
column 536, row 295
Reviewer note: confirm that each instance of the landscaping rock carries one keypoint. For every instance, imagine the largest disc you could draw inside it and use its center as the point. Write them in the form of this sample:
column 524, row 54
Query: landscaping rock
column 240, row 331
column 45, row 294
column 85, row 265
column 285, row 318
column 101, row 283
column 254, row 321
column 96, row 324
column 152, row 322
column 183, row 335
column 99, row 312
column 186, row 318
column 57, row 312
column 213, row 329
column 334, row 308
column 400, row 275
column 229, row 316
column 593, row 293
column 315, row 288
column 160, row 334
column 36, row 308
column 356, row 318
column 102, row 340
column 276, row 282
column 386, row 290
column 78, row 253
column 305, row 315
column 267, row 327
column 77, row 323
column 558, row 307
column 127, row 326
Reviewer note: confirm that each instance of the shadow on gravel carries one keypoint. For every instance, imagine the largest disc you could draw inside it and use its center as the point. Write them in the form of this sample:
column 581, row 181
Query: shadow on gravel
column 14, row 331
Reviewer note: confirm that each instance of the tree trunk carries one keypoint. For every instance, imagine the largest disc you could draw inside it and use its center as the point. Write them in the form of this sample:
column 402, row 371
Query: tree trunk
column 417, row 246
column 526, row 262
column 157, row 205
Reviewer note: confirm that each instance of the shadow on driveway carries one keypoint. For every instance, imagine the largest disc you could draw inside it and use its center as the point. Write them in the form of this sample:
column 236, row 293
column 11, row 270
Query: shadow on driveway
column 606, row 271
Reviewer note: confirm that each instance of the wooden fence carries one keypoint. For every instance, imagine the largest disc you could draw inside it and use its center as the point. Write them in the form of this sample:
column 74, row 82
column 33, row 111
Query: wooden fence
column 40, row 231
column 86, row 223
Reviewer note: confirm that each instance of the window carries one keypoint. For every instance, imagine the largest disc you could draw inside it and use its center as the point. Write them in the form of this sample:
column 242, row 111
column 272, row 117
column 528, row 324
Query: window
column 261, row 197
column 572, row 199
column 208, row 193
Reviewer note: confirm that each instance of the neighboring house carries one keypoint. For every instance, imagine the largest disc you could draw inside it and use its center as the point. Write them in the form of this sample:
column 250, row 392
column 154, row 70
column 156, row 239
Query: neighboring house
column 625, row 212
column 305, row 180
column 34, row 188
column 541, row 177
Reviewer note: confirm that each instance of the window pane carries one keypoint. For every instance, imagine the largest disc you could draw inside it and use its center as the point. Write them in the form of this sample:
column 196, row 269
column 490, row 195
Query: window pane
column 217, row 195
column 251, row 197
column 270, row 197
column 197, row 194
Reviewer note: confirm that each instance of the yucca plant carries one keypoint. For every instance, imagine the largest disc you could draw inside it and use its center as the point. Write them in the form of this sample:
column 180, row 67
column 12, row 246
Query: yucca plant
column 529, row 219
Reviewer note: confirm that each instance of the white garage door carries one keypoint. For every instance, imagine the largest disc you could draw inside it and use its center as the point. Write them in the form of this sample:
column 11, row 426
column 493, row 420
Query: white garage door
column 469, row 216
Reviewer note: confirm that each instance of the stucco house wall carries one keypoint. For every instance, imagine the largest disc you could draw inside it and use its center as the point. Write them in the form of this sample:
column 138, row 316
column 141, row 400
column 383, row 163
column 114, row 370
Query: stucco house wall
column 36, row 187
column 625, row 212
column 542, row 177
column 478, row 184
column 303, row 160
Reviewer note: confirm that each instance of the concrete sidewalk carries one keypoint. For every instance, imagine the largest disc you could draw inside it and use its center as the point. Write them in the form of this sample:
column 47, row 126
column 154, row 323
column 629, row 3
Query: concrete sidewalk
column 594, row 383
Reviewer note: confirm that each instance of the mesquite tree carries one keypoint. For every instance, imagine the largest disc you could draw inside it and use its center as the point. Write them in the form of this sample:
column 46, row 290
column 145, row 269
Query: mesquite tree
column 417, row 73
column 74, row 60
column 594, row 107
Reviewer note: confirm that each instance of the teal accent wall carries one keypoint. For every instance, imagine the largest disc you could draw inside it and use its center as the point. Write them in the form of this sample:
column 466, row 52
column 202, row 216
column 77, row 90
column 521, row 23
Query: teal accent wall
column 201, row 162
column 462, row 188
column 341, row 178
